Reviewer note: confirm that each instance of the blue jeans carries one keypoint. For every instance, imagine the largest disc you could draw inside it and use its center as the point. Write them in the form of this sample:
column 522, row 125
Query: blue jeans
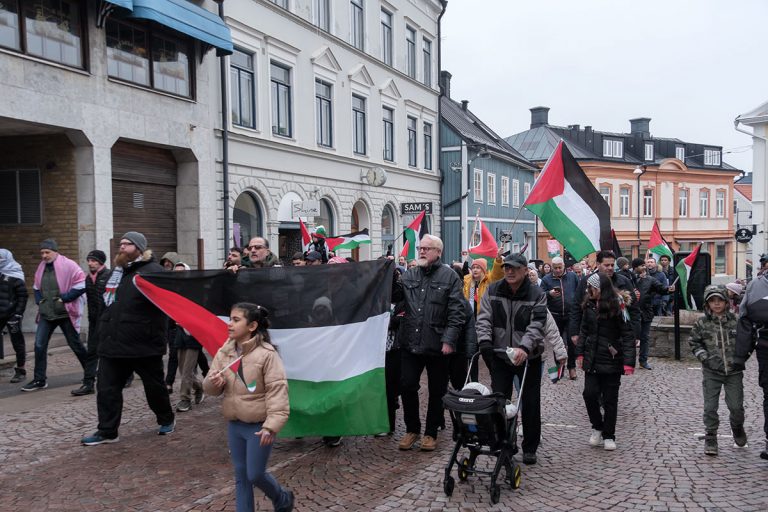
column 250, row 461
column 45, row 329
column 645, row 334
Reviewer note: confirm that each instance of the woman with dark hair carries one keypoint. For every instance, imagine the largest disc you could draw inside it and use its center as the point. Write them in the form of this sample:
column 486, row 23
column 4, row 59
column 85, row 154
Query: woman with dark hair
column 605, row 351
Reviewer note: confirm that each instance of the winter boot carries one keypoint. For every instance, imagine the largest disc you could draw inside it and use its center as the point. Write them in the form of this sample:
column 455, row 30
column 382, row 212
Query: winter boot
column 19, row 374
column 739, row 436
column 764, row 453
column 710, row 444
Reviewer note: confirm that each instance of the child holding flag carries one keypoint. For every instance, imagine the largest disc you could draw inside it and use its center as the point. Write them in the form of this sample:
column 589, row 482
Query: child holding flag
column 250, row 373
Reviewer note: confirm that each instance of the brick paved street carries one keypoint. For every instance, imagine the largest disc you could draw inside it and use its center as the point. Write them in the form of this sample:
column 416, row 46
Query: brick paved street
column 658, row 465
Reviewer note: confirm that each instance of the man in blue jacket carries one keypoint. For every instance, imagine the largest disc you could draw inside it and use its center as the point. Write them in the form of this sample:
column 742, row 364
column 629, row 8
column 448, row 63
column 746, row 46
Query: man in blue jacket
column 560, row 287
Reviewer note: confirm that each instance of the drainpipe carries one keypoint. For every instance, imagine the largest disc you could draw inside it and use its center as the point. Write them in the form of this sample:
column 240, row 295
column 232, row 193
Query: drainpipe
column 440, row 116
column 224, row 140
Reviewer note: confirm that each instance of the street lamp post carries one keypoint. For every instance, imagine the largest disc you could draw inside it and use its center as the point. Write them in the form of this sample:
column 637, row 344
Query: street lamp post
column 639, row 171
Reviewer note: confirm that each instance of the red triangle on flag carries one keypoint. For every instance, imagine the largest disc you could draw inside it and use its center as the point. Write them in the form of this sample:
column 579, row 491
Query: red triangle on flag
column 551, row 181
column 487, row 247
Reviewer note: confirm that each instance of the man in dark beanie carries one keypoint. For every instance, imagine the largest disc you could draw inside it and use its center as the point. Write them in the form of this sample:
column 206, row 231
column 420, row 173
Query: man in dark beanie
column 95, row 285
column 131, row 335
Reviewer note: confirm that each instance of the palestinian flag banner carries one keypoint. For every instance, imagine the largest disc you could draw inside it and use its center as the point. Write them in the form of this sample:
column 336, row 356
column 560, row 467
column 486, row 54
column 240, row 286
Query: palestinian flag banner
column 406, row 249
column 348, row 241
column 683, row 269
column 486, row 248
column 305, row 238
column 329, row 324
column 413, row 233
column 657, row 245
column 569, row 206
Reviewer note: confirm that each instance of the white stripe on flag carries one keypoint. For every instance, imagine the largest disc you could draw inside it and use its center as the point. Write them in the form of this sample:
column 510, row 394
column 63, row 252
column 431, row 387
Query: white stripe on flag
column 580, row 213
column 334, row 353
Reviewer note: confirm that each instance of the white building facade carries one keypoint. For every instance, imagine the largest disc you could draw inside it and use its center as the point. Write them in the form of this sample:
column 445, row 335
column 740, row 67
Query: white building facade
column 328, row 97
column 755, row 124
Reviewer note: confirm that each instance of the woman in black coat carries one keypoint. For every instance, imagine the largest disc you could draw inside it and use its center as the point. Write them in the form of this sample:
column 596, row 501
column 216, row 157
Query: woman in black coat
column 605, row 351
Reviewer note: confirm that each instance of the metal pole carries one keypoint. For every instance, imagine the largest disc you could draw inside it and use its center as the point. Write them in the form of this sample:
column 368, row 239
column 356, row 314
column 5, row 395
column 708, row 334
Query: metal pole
column 678, row 300
column 638, row 215
column 224, row 141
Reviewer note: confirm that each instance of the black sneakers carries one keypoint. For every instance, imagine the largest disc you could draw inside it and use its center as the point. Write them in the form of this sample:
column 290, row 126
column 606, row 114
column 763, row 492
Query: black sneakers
column 83, row 390
column 710, row 444
column 18, row 375
column 98, row 438
column 739, row 436
column 529, row 458
column 35, row 385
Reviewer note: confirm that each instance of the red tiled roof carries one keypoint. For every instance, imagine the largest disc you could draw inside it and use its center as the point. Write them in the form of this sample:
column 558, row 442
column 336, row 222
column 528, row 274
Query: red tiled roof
column 745, row 190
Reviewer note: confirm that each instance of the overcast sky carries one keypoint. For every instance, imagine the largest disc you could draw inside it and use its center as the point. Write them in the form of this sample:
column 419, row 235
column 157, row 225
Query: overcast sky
column 692, row 66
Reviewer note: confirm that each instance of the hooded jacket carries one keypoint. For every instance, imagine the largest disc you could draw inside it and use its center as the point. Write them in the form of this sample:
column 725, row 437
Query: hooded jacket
column 598, row 335
column 713, row 342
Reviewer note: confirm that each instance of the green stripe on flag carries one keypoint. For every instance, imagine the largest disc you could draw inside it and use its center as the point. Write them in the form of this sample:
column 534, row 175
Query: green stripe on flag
column 352, row 407
column 563, row 229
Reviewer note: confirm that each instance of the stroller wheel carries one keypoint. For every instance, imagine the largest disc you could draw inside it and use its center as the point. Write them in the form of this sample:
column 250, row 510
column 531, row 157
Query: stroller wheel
column 462, row 469
column 495, row 493
column 516, row 478
column 448, row 484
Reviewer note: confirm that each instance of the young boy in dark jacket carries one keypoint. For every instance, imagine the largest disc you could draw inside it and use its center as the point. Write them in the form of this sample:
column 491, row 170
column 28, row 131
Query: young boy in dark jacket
column 713, row 342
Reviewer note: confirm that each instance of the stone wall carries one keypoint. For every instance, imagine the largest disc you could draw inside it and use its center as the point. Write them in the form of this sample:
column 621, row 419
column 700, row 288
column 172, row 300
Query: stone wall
column 662, row 338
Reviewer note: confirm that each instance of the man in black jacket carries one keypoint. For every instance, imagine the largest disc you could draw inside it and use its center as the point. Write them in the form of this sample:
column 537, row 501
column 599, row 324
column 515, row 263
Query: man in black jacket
column 13, row 302
column 647, row 287
column 131, row 339
column 434, row 318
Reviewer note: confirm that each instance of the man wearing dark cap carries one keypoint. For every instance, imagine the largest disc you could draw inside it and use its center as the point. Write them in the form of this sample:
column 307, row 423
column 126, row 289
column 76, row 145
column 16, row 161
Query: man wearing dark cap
column 313, row 258
column 513, row 313
column 59, row 287
column 131, row 335
column 95, row 284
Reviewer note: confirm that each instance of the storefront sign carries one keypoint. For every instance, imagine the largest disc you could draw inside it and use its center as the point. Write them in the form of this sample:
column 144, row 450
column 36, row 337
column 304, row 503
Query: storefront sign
column 414, row 208
column 743, row 235
column 307, row 209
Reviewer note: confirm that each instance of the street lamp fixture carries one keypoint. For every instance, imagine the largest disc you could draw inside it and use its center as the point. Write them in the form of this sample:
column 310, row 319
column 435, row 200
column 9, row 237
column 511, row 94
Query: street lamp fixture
column 639, row 171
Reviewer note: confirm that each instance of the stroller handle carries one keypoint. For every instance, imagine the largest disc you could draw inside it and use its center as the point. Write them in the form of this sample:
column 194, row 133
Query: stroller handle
column 501, row 351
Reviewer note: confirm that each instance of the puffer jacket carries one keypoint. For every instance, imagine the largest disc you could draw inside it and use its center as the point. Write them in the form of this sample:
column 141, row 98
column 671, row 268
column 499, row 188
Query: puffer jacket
column 13, row 296
column 752, row 330
column 94, row 292
column 508, row 319
column 268, row 403
column 132, row 326
column 468, row 338
column 622, row 284
column 434, row 309
column 713, row 342
column 597, row 335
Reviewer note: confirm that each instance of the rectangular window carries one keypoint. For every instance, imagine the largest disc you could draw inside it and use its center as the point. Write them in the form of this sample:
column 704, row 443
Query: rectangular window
column 623, row 202
column 427, row 54
column 281, row 100
column 410, row 52
column 648, row 202
column 20, row 198
column 427, row 146
column 242, row 91
column 720, row 203
column 711, row 157
column 477, row 185
column 412, row 141
column 170, row 64
column 720, row 258
column 388, row 120
column 704, row 203
column 526, row 191
column 386, row 37
column 358, row 125
column 324, row 113
column 613, row 148
column 605, row 191
column 323, row 14
column 680, row 153
column 648, row 151
column 516, row 193
column 505, row 191
column 682, row 209
column 357, row 24
column 491, row 188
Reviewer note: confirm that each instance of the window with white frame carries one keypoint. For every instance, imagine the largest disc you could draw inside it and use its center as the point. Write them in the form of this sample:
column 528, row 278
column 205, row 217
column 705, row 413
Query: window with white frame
column 613, row 148
column 357, row 24
column 711, row 157
column 720, row 203
column 410, row 52
column 720, row 258
column 242, row 90
column 20, row 197
column 516, row 193
column 648, row 151
column 624, row 202
column 491, row 188
column 323, row 114
column 704, row 203
column 388, row 120
column 427, row 146
column 358, row 125
column 323, row 14
column 648, row 202
column 680, row 153
column 505, row 191
column 281, row 99
column 605, row 191
column 477, row 183
column 427, row 55
column 386, row 37
column 526, row 191
column 412, row 149
column 682, row 202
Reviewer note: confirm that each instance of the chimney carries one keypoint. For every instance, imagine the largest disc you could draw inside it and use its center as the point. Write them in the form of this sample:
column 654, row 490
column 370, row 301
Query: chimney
column 640, row 126
column 539, row 117
column 464, row 105
column 445, row 84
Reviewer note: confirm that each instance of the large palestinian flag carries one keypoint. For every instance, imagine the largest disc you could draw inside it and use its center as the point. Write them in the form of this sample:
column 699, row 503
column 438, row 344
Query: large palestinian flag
column 683, row 269
column 657, row 245
column 569, row 206
column 329, row 324
column 412, row 234
column 348, row 241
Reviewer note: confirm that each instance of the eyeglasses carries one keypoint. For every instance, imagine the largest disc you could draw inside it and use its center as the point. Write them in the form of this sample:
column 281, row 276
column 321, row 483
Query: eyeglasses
column 422, row 248
column 256, row 247
column 121, row 244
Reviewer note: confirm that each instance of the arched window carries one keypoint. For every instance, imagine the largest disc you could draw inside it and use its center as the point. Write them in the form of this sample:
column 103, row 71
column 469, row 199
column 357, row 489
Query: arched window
column 387, row 229
column 326, row 217
column 247, row 219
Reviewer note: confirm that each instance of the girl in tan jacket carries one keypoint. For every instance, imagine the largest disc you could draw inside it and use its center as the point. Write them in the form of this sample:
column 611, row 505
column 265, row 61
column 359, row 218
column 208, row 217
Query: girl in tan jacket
column 250, row 374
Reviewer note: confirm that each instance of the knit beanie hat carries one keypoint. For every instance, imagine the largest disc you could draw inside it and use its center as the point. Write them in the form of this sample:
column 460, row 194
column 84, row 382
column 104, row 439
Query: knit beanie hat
column 97, row 255
column 480, row 262
column 50, row 244
column 136, row 239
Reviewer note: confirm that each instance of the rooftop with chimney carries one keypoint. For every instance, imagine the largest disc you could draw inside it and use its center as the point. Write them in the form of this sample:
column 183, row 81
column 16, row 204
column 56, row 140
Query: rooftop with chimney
column 638, row 147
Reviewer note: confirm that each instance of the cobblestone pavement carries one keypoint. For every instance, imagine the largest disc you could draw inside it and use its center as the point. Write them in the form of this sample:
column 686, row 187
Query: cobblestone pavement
column 658, row 465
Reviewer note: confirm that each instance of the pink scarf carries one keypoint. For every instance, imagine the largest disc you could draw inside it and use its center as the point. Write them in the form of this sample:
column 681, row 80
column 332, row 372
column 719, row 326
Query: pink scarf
column 68, row 274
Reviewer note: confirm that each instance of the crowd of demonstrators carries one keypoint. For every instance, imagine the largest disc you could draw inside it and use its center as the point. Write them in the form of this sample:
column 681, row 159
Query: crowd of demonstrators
column 560, row 287
column 605, row 350
column 59, row 286
column 13, row 302
column 647, row 289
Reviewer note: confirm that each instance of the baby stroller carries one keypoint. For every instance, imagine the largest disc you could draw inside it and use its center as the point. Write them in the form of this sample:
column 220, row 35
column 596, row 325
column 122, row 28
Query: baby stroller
column 486, row 425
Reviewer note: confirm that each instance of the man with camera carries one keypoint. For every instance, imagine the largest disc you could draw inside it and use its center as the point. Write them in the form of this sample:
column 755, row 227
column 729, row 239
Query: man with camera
column 560, row 287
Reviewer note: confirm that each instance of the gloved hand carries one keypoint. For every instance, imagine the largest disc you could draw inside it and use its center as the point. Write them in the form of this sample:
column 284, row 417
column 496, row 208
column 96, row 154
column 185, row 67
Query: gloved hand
column 629, row 370
column 486, row 350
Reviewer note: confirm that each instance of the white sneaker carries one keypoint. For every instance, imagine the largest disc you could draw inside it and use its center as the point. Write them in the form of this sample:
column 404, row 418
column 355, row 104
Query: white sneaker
column 609, row 445
column 596, row 439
